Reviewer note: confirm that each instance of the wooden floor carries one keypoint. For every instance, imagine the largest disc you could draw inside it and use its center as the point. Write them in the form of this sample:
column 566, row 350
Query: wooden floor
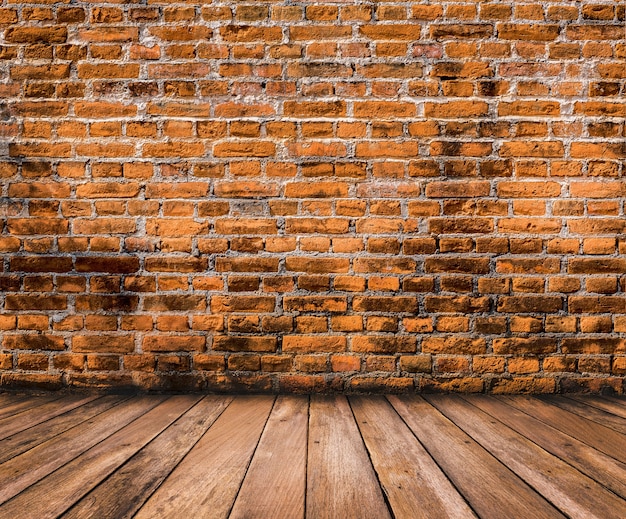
column 194, row 456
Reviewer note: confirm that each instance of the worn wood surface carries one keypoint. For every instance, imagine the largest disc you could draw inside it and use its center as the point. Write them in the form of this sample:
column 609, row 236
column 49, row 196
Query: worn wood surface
column 206, row 482
column 340, row 479
column 297, row 457
column 415, row 486
column 20, row 404
column 604, row 469
column 54, row 494
column 614, row 406
column 595, row 435
column 590, row 412
column 11, row 425
column 122, row 494
column 559, row 482
column 22, row 471
column 466, row 463
column 275, row 483
column 26, row 440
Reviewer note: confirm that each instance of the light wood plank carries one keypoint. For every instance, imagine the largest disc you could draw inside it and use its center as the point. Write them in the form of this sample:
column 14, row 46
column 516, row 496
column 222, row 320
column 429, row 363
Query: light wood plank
column 54, row 494
column 604, row 469
column 615, row 407
column 413, row 483
column 19, row 404
column 340, row 479
column 484, row 481
column 207, row 480
column 122, row 494
column 26, row 469
column 577, row 495
column 14, row 424
column 25, row 440
column 591, row 413
column 597, row 436
column 274, row 485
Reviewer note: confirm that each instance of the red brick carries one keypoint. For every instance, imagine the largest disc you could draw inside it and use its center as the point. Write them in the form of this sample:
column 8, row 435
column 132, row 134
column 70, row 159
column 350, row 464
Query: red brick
column 166, row 343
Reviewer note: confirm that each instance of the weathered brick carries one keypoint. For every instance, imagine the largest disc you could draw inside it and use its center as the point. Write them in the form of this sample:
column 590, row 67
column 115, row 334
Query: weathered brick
column 50, row 34
column 399, row 187
column 313, row 343
column 530, row 304
column 236, row 343
column 384, row 344
column 454, row 345
column 33, row 342
column 103, row 343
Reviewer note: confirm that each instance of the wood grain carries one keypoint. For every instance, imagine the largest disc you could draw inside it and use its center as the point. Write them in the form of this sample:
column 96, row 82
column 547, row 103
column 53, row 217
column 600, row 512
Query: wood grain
column 413, row 483
column 340, row 479
column 13, row 424
column 592, row 413
column 604, row 469
column 292, row 457
column 54, row 494
column 207, row 480
column 597, row 436
column 23, row 403
column 122, row 494
column 25, row 440
column 570, row 491
column 484, row 481
column 274, row 485
column 22, row 471
column 616, row 407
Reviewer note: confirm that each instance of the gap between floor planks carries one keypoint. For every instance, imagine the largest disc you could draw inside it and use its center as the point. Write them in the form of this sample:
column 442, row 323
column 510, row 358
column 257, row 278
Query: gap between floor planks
column 300, row 457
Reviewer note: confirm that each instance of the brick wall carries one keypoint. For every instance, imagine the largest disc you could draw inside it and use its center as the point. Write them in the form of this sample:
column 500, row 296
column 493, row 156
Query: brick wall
column 304, row 196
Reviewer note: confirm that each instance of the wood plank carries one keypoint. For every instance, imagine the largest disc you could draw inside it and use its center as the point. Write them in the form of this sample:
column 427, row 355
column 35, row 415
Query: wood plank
column 54, row 494
column 7, row 397
column 413, row 483
column 604, row 469
column 22, row 403
column 25, row 440
column 575, row 494
column 14, row 424
column 591, row 413
column 484, row 481
column 12, row 404
column 207, row 480
column 340, row 479
column 595, row 435
column 26, row 469
column 274, row 485
column 123, row 493
column 615, row 407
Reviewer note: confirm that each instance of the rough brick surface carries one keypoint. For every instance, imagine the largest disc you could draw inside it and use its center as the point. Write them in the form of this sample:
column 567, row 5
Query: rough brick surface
column 310, row 196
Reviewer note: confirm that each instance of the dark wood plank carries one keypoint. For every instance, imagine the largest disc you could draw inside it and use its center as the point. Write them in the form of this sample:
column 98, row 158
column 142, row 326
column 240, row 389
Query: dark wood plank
column 19, row 404
column 274, row 485
column 604, row 469
column 615, row 407
column 595, row 435
column 7, row 398
column 413, row 483
column 123, row 493
column 591, row 413
column 55, row 493
column 26, row 469
column 575, row 494
column 207, row 480
column 484, row 481
column 340, row 479
column 25, row 440
column 14, row 424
